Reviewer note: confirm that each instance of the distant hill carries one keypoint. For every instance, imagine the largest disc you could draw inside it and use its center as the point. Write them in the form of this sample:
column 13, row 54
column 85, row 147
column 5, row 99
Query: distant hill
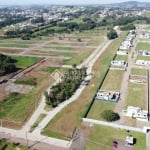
column 129, row 4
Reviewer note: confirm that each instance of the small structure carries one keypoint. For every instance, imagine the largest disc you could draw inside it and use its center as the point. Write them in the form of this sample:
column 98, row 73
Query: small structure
column 119, row 64
column 144, row 52
column 137, row 79
column 142, row 63
column 108, row 96
column 136, row 112
column 129, row 140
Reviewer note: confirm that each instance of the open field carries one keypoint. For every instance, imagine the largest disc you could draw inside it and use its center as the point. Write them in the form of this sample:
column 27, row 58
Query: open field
column 137, row 95
column 14, row 45
column 12, row 51
column 24, row 61
column 138, row 71
column 121, row 57
column 113, row 80
column 98, row 107
column 76, row 110
column 11, row 146
column 143, row 57
column 143, row 46
column 97, row 141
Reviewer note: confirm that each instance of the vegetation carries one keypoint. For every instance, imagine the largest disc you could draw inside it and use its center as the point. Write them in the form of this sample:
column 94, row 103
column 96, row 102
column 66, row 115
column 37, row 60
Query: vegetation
column 109, row 115
column 128, row 27
column 11, row 146
column 143, row 46
column 30, row 81
column 112, row 34
column 63, row 90
column 7, row 65
column 25, row 61
column 97, row 140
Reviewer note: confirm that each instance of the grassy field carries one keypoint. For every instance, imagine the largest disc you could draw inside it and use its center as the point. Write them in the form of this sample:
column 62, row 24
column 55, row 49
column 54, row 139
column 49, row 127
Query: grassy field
column 76, row 110
column 98, row 107
column 113, row 80
column 24, row 61
column 137, row 95
column 11, row 146
column 121, row 57
column 50, row 69
column 101, row 138
column 140, row 72
column 19, row 107
column 146, row 58
column 69, row 48
column 14, row 45
column 80, row 57
column 143, row 46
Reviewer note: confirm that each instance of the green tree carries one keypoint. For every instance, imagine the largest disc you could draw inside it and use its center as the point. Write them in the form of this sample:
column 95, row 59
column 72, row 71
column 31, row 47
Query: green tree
column 109, row 115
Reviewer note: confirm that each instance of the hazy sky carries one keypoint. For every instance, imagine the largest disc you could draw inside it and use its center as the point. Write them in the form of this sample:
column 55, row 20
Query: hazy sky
column 11, row 2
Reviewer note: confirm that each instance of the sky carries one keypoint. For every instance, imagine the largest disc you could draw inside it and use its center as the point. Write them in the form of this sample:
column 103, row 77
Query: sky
column 20, row 2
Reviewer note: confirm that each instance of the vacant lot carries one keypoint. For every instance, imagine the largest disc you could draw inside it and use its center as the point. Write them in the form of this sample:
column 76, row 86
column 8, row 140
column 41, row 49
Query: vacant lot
column 97, row 140
column 137, row 95
column 143, row 46
column 139, row 72
column 113, row 80
column 24, row 61
column 121, row 57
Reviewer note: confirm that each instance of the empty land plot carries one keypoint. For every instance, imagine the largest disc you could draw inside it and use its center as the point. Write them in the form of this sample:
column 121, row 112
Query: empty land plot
column 80, row 57
column 13, row 51
column 139, row 72
column 102, row 137
column 25, row 61
column 143, row 58
column 19, row 107
column 76, row 110
column 137, row 95
column 96, row 41
column 113, row 80
column 98, row 107
column 69, row 48
column 121, row 57
column 14, row 45
column 143, row 46
column 51, row 53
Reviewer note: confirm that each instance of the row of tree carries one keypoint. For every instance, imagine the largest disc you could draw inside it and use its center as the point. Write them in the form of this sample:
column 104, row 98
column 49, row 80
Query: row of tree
column 65, row 89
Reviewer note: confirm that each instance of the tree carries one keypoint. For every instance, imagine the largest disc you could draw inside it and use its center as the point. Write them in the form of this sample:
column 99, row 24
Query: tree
column 112, row 34
column 109, row 115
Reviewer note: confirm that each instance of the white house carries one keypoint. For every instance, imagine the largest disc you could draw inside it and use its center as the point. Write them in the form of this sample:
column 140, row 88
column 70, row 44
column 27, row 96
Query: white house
column 119, row 63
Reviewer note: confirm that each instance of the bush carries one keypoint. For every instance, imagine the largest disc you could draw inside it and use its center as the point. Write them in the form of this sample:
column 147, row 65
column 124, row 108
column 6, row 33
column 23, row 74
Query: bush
column 109, row 115
column 112, row 34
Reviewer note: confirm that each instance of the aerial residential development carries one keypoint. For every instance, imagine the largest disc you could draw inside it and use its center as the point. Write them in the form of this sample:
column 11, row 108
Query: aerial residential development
column 75, row 75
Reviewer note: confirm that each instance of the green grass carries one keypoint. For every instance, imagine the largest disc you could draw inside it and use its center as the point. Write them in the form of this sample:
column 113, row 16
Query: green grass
column 80, row 57
column 39, row 119
column 28, row 81
column 121, row 57
column 61, row 47
column 146, row 58
column 137, row 95
column 11, row 146
column 143, row 46
column 140, row 72
column 25, row 61
column 102, row 137
column 97, row 109
column 113, row 80
column 50, row 69
column 16, row 106
column 18, row 45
